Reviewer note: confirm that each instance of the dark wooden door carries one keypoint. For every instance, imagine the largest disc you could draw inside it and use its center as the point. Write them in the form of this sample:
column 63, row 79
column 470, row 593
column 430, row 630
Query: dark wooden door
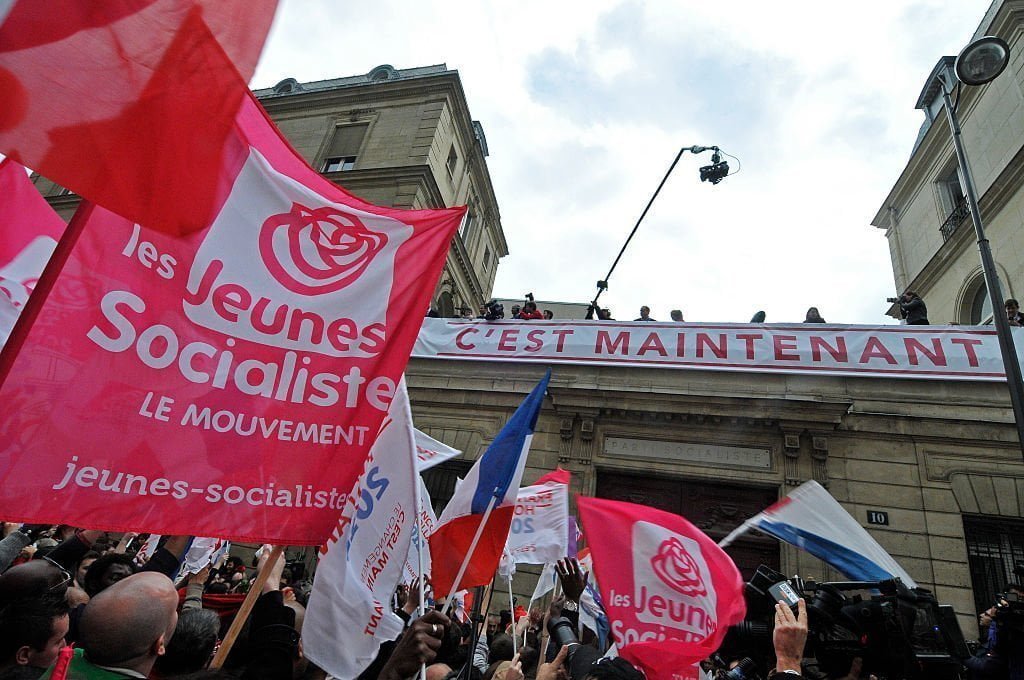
column 715, row 507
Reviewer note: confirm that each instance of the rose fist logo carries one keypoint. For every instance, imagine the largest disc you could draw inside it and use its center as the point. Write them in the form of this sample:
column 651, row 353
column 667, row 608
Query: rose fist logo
column 312, row 251
column 677, row 569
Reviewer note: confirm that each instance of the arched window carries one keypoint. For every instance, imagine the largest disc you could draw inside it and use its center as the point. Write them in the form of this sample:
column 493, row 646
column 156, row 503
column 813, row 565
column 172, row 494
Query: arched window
column 981, row 307
column 446, row 305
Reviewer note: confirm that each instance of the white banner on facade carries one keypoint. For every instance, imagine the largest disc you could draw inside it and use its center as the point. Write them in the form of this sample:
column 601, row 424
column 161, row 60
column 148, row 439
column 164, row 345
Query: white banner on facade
column 349, row 612
column 539, row 527
column 932, row 352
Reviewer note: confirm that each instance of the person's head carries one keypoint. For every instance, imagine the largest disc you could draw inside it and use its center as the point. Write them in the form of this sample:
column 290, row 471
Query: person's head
column 438, row 671
column 129, row 624
column 985, row 618
column 33, row 579
column 812, row 313
column 492, row 623
column 515, row 309
column 107, row 570
column 529, row 657
column 32, row 631
column 548, row 315
column 530, row 307
column 1012, row 307
column 676, row 314
column 645, row 312
column 604, row 313
column 910, row 295
column 83, row 566
column 759, row 317
column 192, row 645
column 501, row 649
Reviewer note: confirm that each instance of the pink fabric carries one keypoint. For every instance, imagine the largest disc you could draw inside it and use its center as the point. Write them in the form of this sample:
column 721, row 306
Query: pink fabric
column 669, row 591
column 225, row 383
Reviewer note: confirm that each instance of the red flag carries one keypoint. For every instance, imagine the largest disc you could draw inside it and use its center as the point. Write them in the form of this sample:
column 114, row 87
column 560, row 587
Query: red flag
column 129, row 103
column 556, row 476
column 671, row 601
column 227, row 383
column 29, row 229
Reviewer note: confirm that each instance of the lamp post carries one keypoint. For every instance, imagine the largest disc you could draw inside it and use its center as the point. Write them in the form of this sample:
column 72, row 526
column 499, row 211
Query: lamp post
column 979, row 63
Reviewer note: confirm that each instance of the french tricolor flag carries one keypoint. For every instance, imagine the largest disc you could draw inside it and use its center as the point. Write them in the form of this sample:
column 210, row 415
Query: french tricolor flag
column 474, row 526
column 812, row 520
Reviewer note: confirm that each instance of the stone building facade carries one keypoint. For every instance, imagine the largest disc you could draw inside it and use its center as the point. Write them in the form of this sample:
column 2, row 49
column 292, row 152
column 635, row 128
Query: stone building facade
column 925, row 218
column 938, row 461
column 401, row 138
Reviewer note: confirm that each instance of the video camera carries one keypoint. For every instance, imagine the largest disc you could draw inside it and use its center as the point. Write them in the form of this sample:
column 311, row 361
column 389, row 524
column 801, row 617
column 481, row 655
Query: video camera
column 494, row 310
column 1010, row 605
column 717, row 171
column 899, row 633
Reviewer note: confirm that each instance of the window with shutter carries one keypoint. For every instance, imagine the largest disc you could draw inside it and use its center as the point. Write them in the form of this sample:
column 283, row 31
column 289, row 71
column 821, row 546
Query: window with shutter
column 344, row 147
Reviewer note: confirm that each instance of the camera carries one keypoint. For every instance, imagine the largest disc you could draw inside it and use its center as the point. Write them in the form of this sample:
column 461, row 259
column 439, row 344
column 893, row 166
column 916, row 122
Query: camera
column 529, row 297
column 894, row 300
column 898, row 632
column 562, row 632
column 494, row 310
column 716, row 172
column 1010, row 611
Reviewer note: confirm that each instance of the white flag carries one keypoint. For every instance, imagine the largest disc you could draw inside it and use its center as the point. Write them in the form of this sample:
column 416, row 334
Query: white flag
column 349, row 613
column 430, row 452
column 425, row 527
column 202, row 553
column 539, row 532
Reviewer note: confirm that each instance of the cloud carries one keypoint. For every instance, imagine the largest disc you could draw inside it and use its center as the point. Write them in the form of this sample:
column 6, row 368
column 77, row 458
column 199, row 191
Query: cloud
column 586, row 103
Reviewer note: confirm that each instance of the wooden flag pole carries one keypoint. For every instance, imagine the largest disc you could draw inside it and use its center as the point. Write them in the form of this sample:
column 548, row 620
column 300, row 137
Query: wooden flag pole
column 512, row 607
column 246, row 609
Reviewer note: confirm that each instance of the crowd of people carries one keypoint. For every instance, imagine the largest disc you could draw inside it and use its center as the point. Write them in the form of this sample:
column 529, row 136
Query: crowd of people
column 78, row 605
column 912, row 310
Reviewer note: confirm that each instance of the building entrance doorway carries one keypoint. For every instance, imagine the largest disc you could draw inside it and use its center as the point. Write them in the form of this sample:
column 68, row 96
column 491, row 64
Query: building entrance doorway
column 715, row 508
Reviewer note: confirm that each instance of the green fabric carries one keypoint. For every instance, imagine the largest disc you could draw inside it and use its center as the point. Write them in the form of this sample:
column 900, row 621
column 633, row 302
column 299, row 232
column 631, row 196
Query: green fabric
column 80, row 669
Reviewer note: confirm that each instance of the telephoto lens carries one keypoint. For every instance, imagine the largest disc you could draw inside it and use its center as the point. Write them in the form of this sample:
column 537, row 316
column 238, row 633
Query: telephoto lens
column 746, row 669
column 562, row 631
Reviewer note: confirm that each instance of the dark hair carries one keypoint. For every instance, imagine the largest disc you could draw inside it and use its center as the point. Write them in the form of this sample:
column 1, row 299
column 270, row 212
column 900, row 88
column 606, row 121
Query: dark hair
column 1011, row 303
column 529, row 658
column 94, row 575
column 192, row 644
column 29, row 621
column 501, row 649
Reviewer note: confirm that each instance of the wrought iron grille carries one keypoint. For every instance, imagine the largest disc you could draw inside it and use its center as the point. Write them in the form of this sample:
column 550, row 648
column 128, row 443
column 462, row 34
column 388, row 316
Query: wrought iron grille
column 994, row 546
column 959, row 215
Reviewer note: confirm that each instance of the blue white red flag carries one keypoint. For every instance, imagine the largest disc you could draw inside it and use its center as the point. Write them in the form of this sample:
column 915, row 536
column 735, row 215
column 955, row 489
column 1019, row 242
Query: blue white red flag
column 492, row 482
column 812, row 520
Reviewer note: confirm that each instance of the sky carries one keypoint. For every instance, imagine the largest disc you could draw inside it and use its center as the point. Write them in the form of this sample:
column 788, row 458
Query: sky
column 585, row 104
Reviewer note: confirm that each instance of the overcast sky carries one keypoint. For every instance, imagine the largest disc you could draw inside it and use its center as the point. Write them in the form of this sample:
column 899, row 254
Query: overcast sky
column 585, row 104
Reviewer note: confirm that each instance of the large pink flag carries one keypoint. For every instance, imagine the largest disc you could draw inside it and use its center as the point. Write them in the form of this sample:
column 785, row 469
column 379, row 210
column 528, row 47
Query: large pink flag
column 227, row 383
column 128, row 103
column 671, row 601
column 29, row 229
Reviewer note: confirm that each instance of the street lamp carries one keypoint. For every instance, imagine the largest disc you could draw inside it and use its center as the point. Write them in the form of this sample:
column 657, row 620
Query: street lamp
column 979, row 63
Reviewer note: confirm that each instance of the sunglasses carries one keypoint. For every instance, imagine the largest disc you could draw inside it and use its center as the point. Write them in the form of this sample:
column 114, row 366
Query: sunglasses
column 64, row 572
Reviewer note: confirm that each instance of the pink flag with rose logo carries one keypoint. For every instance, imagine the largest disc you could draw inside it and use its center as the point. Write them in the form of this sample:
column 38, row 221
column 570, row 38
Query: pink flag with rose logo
column 224, row 383
column 671, row 604
column 29, row 229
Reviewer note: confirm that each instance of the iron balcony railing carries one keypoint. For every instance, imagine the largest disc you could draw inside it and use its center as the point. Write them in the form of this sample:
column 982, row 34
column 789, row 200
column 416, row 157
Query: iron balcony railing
column 959, row 215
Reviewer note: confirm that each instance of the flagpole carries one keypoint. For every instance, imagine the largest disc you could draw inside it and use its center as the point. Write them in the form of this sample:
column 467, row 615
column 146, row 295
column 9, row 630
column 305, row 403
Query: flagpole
column 243, row 613
column 512, row 606
column 736, row 533
column 421, row 608
column 469, row 555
